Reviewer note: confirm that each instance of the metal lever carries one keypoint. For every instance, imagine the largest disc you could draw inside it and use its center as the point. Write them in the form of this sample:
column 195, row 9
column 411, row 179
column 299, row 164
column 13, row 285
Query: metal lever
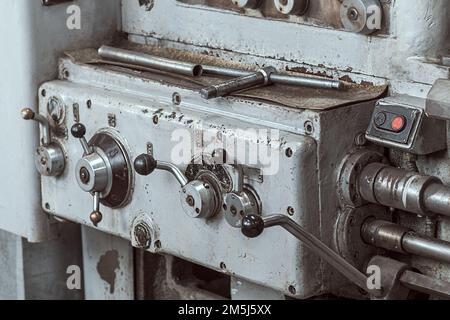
column 254, row 225
column 198, row 198
column 49, row 157
column 96, row 216
column 145, row 164
column 91, row 177
column 28, row 114
column 259, row 78
column 79, row 131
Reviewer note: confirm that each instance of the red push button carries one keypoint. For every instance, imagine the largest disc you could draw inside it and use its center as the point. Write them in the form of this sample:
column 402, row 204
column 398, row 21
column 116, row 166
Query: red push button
column 398, row 123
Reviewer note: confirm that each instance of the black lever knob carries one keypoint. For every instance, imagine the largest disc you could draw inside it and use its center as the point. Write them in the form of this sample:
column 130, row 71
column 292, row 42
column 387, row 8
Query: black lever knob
column 252, row 225
column 145, row 164
column 78, row 130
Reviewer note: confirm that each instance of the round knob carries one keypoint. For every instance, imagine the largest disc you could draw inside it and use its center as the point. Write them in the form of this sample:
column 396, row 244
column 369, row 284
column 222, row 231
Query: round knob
column 96, row 217
column 27, row 114
column 145, row 164
column 78, row 130
column 252, row 225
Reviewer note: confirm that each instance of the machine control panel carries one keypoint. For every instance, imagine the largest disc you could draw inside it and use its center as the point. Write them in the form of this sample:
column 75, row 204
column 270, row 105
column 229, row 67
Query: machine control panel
column 394, row 123
column 403, row 124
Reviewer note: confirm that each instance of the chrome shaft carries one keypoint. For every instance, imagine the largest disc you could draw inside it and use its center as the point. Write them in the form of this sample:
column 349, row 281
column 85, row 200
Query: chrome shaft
column 153, row 62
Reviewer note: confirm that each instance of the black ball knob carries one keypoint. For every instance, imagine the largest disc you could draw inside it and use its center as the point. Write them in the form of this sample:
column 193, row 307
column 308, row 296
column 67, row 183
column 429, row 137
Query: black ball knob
column 252, row 225
column 145, row 164
column 78, row 130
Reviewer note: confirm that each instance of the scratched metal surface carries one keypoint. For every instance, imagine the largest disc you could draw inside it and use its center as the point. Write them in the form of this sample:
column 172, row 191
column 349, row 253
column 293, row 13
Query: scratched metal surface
column 287, row 96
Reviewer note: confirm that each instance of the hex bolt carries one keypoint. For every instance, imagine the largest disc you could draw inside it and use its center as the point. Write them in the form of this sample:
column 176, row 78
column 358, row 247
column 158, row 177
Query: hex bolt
column 142, row 234
column 353, row 14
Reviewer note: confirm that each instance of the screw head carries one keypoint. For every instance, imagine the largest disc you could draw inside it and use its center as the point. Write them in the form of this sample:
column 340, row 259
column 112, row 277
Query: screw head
column 353, row 14
column 85, row 177
column 190, row 201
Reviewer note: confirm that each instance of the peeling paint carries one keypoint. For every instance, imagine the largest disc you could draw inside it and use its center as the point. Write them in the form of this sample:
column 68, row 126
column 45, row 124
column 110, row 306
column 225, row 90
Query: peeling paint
column 107, row 266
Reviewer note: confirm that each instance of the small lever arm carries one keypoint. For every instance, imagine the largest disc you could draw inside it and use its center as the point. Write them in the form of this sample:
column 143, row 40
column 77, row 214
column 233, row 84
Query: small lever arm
column 253, row 225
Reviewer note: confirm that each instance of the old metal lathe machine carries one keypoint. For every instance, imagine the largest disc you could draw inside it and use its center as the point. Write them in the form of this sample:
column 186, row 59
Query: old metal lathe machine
column 217, row 149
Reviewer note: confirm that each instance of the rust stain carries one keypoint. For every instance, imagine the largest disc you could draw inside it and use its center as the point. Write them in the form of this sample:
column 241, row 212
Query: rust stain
column 107, row 266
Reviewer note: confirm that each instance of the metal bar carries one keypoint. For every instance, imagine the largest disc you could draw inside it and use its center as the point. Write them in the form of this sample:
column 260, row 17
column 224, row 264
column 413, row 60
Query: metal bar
column 436, row 198
column 334, row 259
column 146, row 60
column 28, row 114
column 278, row 78
column 419, row 282
column 167, row 166
column 435, row 249
column 393, row 237
column 261, row 77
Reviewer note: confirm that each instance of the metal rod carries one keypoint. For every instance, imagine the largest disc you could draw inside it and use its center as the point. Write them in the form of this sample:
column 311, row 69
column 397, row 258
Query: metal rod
column 261, row 77
column 437, row 198
column 279, row 78
column 146, row 60
column 423, row 246
column 334, row 259
column 167, row 166
column 28, row 114
column 96, row 205
column 393, row 237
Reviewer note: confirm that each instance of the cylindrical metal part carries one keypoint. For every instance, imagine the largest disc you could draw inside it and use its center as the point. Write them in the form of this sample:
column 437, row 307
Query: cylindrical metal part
column 279, row 78
column 437, row 198
column 384, row 234
column 426, row 247
column 403, row 190
column 291, row 6
column 393, row 237
column 260, row 77
column 146, row 60
column 307, row 82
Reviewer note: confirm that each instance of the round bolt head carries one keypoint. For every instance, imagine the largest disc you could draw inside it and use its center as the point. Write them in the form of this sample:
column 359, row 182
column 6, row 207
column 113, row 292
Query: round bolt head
column 362, row 16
